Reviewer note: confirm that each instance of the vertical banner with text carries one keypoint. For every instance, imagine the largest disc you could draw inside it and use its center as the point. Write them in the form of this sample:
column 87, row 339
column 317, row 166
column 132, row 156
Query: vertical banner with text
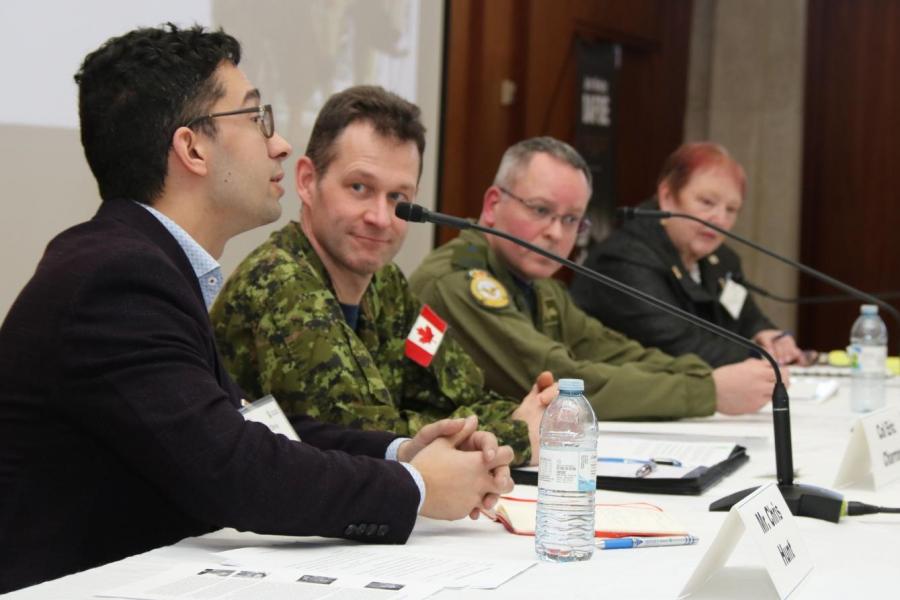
column 598, row 67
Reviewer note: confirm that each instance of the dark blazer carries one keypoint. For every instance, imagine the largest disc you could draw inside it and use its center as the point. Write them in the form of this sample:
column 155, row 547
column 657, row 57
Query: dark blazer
column 119, row 429
column 641, row 255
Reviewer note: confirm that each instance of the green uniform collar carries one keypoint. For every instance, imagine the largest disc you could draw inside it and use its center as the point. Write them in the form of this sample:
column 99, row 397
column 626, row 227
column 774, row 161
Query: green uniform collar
column 292, row 239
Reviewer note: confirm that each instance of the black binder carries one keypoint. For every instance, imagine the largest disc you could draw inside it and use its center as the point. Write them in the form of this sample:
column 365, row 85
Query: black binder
column 692, row 483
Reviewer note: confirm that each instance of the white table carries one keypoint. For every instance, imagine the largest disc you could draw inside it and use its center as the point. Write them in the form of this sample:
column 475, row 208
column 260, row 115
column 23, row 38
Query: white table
column 855, row 558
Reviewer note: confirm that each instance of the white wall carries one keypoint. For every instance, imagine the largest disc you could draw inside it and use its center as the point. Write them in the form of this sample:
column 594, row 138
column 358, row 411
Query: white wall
column 297, row 52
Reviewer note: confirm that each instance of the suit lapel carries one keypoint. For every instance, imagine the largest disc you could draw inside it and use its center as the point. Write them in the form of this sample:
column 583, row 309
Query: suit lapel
column 138, row 218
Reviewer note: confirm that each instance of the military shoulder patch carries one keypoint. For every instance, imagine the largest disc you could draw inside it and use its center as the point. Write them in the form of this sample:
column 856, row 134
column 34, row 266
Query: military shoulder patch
column 486, row 290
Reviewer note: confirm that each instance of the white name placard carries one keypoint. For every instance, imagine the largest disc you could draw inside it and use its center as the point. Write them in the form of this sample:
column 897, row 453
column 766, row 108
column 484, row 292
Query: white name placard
column 266, row 411
column 765, row 518
column 872, row 457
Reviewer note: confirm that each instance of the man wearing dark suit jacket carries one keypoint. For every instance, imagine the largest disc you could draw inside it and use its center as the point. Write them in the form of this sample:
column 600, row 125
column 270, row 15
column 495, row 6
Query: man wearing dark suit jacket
column 119, row 428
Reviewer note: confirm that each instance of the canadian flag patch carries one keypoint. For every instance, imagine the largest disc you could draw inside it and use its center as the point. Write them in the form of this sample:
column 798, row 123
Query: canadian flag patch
column 425, row 337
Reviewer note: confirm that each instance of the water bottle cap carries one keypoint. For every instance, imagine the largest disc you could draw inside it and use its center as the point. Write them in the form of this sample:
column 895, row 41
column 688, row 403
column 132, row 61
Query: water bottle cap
column 571, row 385
column 868, row 309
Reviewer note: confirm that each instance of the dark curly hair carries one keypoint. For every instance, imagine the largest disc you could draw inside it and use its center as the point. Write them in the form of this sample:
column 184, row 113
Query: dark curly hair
column 389, row 114
column 135, row 91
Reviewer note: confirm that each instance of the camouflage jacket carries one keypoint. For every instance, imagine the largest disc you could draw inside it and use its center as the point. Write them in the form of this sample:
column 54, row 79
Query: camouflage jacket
column 466, row 282
column 281, row 331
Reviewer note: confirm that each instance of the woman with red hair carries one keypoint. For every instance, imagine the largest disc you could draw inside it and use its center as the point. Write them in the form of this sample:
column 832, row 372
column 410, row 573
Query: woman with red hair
column 685, row 264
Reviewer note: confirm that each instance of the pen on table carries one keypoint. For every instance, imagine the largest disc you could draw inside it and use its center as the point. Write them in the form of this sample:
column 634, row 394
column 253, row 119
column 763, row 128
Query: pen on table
column 646, row 542
column 648, row 465
column 645, row 469
column 618, row 459
column 672, row 462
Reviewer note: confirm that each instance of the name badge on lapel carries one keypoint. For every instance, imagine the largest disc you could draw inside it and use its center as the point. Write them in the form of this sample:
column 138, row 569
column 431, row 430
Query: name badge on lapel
column 266, row 411
column 732, row 298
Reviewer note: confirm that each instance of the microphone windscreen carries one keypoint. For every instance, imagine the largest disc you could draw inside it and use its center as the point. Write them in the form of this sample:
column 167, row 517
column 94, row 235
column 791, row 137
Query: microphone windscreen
column 410, row 212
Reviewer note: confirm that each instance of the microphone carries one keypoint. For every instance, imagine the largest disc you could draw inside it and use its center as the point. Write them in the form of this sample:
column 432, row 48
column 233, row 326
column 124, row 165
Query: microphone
column 824, row 299
column 803, row 500
column 416, row 213
column 630, row 212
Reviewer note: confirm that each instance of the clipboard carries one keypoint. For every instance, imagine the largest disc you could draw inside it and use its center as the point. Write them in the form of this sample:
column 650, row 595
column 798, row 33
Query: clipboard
column 692, row 483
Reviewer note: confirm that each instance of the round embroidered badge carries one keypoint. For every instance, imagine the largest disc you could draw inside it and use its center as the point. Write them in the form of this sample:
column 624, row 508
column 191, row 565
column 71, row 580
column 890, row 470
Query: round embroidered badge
column 486, row 290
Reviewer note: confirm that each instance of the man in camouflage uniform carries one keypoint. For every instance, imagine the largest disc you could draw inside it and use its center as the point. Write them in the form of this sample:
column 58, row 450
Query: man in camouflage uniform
column 318, row 315
column 515, row 321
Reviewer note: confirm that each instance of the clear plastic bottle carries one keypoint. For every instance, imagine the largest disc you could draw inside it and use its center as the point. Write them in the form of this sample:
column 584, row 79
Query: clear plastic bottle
column 868, row 353
column 567, row 477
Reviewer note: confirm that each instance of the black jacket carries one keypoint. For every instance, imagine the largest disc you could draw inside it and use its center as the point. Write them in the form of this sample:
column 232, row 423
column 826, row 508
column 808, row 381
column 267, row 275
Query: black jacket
column 119, row 429
column 641, row 255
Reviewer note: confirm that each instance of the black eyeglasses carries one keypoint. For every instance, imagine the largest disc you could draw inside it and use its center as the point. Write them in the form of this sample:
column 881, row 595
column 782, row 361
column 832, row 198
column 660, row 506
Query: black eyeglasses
column 539, row 210
column 264, row 118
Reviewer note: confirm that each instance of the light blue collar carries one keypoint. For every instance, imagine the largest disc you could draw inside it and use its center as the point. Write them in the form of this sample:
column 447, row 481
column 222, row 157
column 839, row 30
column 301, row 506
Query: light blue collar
column 206, row 268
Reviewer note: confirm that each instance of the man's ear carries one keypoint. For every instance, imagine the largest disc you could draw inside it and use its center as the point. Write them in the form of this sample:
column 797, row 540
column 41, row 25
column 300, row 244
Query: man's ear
column 492, row 196
column 191, row 150
column 305, row 177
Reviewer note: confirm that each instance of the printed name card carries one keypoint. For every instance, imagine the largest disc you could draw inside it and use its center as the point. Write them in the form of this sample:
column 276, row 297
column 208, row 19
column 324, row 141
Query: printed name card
column 766, row 519
column 266, row 411
column 872, row 457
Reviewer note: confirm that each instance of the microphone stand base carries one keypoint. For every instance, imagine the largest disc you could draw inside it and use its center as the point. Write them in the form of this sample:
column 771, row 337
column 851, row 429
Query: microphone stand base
column 802, row 500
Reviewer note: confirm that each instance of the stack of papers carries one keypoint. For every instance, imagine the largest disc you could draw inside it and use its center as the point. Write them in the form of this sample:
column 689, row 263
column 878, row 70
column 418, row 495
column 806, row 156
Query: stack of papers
column 201, row 580
column 687, row 456
column 322, row 570
column 820, row 371
column 731, row 430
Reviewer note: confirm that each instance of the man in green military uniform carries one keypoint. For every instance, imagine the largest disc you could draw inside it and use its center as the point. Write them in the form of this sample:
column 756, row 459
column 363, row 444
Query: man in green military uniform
column 515, row 320
column 318, row 315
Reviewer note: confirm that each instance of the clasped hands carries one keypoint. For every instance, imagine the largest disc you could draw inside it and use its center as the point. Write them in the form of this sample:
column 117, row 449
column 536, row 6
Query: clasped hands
column 466, row 470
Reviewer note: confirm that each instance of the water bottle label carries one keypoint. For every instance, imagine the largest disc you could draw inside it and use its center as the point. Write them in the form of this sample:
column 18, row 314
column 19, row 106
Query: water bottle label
column 868, row 359
column 567, row 470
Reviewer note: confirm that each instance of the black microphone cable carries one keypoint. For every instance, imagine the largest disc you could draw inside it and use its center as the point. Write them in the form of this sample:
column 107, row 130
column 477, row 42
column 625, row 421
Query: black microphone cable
column 824, row 299
column 852, row 508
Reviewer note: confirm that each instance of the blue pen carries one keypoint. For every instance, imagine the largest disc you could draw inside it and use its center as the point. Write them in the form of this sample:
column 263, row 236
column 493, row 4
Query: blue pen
column 627, row 461
column 647, row 465
column 673, row 462
column 646, row 542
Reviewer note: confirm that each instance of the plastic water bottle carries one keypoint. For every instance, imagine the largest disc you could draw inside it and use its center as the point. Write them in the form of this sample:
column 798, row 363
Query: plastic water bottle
column 868, row 352
column 567, row 477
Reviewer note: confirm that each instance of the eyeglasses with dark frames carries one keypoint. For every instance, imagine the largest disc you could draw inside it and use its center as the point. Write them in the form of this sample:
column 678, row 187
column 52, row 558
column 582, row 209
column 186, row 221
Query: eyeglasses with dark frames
column 265, row 120
column 543, row 214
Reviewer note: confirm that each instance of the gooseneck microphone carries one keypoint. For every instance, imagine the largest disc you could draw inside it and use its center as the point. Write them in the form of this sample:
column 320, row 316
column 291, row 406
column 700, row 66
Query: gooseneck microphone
column 803, row 500
column 631, row 212
column 416, row 213
column 824, row 299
